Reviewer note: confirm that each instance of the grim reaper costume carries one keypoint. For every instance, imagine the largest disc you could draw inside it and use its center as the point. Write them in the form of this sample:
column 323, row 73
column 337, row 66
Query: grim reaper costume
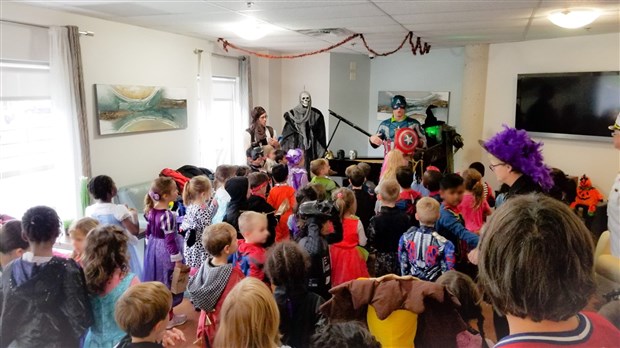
column 304, row 129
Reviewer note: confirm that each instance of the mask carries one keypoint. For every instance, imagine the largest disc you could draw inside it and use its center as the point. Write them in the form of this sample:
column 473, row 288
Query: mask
column 305, row 99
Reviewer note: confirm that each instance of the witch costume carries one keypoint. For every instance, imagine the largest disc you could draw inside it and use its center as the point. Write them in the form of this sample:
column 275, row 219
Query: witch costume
column 304, row 128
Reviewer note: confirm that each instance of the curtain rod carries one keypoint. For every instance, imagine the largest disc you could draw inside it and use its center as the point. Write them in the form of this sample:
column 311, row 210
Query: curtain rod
column 229, row 57
column 84, row 33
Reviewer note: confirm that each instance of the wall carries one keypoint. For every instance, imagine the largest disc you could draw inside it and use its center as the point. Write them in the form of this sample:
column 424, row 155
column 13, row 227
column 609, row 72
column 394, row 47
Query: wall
column 582, row 53
column 125, row 54
column 266, row 91
column 349, row 98
column 440, row 70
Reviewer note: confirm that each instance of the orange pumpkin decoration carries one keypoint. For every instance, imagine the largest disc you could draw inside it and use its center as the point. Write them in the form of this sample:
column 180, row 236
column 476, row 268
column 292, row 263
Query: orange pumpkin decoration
column 587, row 195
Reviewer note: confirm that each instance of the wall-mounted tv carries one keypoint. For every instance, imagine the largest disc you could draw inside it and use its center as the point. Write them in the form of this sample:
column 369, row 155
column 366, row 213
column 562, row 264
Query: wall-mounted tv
column 575, row 105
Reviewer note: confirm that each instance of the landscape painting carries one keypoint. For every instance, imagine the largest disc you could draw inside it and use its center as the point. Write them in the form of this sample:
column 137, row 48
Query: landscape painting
column 132, row 109
column 419, row 105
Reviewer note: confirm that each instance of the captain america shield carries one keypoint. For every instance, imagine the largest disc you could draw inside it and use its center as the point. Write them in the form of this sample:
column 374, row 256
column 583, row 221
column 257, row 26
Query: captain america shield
column 406, row 140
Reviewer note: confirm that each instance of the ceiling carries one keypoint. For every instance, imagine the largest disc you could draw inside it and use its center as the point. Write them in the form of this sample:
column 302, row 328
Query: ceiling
column 442, row 23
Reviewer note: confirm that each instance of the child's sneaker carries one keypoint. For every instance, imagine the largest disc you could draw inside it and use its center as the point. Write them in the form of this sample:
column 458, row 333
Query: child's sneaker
column 177, row 320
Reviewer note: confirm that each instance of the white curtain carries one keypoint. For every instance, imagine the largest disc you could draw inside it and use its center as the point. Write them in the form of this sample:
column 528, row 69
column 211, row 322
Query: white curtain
column 65, row 108
column 245, row 105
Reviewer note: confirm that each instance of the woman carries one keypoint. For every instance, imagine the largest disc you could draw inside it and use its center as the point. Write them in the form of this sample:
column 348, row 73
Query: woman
column 613, row 206
column 259, row 133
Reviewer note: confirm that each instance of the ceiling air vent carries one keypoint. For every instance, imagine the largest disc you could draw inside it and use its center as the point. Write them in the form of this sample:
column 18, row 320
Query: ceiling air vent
column 338, row 32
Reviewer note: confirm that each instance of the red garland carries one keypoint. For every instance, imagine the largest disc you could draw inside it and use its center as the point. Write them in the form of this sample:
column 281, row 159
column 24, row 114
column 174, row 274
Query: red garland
column 417, row 47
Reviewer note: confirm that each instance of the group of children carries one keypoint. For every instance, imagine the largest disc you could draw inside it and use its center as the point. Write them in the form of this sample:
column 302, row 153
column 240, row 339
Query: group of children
column 265, row 246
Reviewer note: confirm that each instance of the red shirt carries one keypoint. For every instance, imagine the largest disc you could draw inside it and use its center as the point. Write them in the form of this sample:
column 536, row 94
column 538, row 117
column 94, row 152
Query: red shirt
column 593, row 331
column 474, row 217
column 255, row 255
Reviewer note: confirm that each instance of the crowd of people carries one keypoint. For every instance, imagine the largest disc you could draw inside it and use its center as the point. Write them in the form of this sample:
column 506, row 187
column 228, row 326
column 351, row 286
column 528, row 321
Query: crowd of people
column 269, row 244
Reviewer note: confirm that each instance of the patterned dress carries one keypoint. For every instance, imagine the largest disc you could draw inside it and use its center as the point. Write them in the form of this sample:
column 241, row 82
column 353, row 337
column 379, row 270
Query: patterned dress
column 197, row 218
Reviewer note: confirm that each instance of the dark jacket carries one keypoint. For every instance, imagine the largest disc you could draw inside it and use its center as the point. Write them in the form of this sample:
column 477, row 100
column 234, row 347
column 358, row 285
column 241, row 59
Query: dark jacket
column 126, row 343
column 260, row 205
column 317, row 246
column 365, row 206
column 237, row 188
column 43, row 305
column 523, row 186
column 299, row 315
column 386, row 228
column 315, row 128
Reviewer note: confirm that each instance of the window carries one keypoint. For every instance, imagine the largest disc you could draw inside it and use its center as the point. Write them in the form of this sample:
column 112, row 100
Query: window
column 225, row 125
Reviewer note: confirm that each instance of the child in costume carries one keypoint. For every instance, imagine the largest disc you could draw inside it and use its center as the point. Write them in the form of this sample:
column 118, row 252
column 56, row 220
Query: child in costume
column 320, row 169
column 215, row 279
column 474, row 206
column 365, row 200
column 259, row 182
column 221, row 197
column 297, row 174
column 346, row 258
column 103, row 190
column 198, row 214
column 305, row 194
column 238, row 189
column 106, row 269
column 282, row 198
column 77, row 232
column 250, row 256
column 408, row 197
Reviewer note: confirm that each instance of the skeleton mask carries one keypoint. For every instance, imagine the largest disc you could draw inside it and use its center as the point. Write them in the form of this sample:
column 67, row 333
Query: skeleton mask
column 305, row 99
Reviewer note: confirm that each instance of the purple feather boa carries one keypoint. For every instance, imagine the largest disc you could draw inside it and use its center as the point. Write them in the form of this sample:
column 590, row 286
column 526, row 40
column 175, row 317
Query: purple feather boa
column 515, row 147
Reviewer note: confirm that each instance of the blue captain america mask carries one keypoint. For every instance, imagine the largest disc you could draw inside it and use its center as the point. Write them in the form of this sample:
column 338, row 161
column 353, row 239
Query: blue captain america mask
column 399, row 102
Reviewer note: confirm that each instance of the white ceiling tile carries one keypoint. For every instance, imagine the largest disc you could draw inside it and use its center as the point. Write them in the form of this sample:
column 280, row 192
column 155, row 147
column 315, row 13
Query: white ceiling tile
column 407, row 7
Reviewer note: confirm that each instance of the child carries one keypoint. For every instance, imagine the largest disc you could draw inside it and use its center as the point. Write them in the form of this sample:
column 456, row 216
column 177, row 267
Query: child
column 422, row 252
column 365, row 200
column 314, row 237
column 466, row 291
column 103, row 189
column 215, row 279
column 320, row 170
column 251, row 255
column 258, row 203
column 393, row 160
column 107, row 278
column 282, row 198
column 142, row 312
column 431, row 180
column 348, row 334
column 408, row 197
column 305, row 194
column 256, row 159
column 451, row 225
column 164, row 249
column 249, row 317
column 198, row 213
column 270, row 158
column 386, row 228
column 44, row 298
column 346, row 258
column 243, row 170
column 280, row 157
column 221, row 198
column 238, row 189
column 287, row 268
column 369, row 186
column 474, row 206
column 489, row 194
column 298, row 176
column 536, row 267
column 78, row 231
column 12, row 243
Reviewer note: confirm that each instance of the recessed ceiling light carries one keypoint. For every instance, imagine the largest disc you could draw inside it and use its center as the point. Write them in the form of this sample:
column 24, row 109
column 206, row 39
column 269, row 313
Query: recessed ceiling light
column 572, row 19
column 251, row 29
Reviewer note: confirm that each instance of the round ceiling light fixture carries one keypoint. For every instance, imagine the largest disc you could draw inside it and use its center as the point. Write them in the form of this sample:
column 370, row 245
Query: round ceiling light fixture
column 251, row 29
column 575, row 18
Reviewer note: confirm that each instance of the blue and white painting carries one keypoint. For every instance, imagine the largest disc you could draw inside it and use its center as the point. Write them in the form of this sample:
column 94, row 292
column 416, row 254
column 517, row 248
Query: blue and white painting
column 419, row 104
column 133, row 109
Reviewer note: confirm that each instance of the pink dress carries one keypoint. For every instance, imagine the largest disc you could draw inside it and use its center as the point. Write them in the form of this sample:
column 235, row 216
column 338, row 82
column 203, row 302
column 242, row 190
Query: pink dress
column 474, row 217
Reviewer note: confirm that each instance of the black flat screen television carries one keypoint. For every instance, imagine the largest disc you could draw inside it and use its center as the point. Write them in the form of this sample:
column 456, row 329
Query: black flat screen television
column 579, row 105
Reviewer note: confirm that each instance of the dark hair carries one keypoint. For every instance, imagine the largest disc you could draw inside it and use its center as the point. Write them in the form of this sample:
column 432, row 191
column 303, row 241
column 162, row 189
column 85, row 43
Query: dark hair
column 451, row 181
column 549, row 254
column 243, row 171
column 100, row 186
column 305, row 194
column 41, row 224
column 280, row 155
column 223, row 173
column 106, row 251
column 404, row 176
column 350, row 334
column 257, row 179
column 11, row 237
column 355, row 175
column 431, row 179
column 279, row 172
column 256, row 113
column 478, row 166
column 287, row 265
column 217, row 236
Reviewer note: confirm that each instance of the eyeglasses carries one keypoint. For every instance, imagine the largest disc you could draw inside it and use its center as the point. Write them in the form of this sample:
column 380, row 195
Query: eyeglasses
column 492, row 166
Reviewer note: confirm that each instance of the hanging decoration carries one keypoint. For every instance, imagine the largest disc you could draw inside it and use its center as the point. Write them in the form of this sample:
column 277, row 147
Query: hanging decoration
column 417, row 47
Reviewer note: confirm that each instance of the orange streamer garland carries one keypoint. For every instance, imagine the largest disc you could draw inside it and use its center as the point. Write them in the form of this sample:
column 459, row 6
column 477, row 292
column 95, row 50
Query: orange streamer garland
column 418, row 47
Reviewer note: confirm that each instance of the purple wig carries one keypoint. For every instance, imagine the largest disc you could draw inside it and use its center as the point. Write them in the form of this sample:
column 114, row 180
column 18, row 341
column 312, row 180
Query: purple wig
column 294, row 156
column 516, row 148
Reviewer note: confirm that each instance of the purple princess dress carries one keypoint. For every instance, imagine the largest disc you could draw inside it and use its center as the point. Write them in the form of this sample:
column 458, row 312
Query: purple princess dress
column 297, row 175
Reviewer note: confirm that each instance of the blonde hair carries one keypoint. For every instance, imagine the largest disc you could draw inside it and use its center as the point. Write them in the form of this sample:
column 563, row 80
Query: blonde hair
column 160, row 186
column 427, row 210
column 267, row 150
column 249, row 317
column 82, row 226
column 142, row 307
column 345, row 200
column 473, row 184
column 196, row 186
column 393, row 160
column 389, row 190
column 317, row 165
column 248, row 219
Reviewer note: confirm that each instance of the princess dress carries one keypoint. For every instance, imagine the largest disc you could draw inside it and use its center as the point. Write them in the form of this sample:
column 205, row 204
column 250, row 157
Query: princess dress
column 346, row 259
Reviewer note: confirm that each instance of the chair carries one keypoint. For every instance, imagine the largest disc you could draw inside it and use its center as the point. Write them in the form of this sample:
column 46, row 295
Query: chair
column 605, row 264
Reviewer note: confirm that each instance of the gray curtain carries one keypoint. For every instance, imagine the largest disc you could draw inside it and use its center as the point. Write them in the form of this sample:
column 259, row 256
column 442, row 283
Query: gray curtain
column 245, row 87
column 80, row 97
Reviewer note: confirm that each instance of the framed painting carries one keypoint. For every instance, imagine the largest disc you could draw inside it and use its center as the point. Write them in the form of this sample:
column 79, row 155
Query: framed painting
column 419, row 105
column 133, row 109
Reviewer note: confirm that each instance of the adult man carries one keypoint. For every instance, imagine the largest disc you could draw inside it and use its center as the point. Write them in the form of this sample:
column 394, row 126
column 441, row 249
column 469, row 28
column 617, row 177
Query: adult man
column 387, row 129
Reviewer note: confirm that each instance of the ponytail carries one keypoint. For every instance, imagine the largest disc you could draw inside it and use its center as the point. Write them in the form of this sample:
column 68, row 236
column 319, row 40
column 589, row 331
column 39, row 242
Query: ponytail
column 478, row 191
column 149, row 204
column 344, row 199
column 160, row 186
column 187, row 198
column 473, row 183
